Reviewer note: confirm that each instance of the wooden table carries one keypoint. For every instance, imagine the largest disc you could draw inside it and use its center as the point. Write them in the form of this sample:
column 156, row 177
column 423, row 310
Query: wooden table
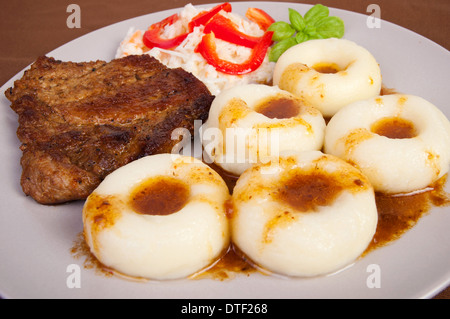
column 30, row 28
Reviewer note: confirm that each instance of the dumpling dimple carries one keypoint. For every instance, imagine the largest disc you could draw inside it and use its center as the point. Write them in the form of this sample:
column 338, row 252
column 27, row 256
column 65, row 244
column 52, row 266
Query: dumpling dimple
column 254, row 123
column 160, row 217
column 400, row 142
column 309, row 214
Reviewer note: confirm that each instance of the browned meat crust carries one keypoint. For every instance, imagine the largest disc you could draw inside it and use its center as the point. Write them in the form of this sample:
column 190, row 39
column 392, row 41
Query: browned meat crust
column 80, row 121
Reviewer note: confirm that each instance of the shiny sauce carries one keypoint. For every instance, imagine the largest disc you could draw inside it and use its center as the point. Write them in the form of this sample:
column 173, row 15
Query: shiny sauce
column 399, row 213
column 394, row 127
column 278, row 108
column 159, row 196
column 232, row 262
column 306, row 192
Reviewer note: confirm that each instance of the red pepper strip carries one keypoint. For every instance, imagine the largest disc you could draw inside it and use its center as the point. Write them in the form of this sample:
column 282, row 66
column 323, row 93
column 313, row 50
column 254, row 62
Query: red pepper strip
column 207, row 49
column 203, row 17
column 263, row 19
column 226, row 30
column 152, row 37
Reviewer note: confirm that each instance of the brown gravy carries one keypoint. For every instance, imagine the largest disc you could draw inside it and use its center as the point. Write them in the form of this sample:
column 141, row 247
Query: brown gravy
column 307, row 191
column 232, row 262
column 81, row 250
column 394, row 127
column 398, row 214
column 279, row 108
column 159, row 196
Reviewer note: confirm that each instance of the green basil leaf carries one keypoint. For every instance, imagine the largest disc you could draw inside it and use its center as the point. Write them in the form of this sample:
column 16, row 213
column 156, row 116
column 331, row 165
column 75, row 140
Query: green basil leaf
column 316, row 13
column 296, row 19
column 278, row 49
column 301, row 37
column 281, row 30
column 330, row 27
column 311, row 31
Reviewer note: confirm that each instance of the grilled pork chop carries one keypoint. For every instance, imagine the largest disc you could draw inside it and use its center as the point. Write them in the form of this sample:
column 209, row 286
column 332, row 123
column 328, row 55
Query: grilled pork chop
column 80, row 121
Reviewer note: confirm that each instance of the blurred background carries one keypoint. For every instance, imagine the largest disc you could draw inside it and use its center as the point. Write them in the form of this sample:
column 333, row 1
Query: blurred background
column 30, row 28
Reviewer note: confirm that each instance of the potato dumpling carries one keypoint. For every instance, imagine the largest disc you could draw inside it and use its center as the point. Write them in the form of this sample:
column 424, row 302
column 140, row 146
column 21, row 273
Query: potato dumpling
column 328, row 73
column 400, row 142
column 253, row 123
column 309, row 214
column 159, row 217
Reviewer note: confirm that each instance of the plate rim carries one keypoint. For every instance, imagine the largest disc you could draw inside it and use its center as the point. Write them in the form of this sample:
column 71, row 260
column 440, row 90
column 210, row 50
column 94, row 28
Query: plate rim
column 7, row 84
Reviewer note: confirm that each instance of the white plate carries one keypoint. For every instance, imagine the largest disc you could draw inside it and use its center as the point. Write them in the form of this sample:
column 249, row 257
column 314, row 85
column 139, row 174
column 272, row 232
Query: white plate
column 35, row 240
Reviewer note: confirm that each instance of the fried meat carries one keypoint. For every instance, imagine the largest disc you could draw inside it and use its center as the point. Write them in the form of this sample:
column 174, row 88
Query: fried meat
column 80, row 121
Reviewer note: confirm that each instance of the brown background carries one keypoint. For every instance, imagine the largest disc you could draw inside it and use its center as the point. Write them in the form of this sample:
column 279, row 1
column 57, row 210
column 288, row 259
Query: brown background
column 30, row 28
